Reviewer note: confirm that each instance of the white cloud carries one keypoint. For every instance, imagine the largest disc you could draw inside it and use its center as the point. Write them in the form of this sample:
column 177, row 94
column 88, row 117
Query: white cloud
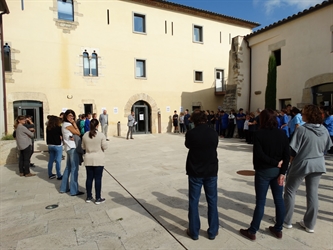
column 272, row 5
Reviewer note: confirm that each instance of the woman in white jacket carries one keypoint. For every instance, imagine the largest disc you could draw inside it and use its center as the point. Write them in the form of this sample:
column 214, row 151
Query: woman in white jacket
column 94, row 143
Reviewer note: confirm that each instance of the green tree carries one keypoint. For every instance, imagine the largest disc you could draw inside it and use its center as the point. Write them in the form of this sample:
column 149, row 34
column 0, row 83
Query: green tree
column 270, row 94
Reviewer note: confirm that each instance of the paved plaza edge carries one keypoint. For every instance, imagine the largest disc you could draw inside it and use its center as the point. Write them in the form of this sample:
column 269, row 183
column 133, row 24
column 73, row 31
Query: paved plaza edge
column 145, row 187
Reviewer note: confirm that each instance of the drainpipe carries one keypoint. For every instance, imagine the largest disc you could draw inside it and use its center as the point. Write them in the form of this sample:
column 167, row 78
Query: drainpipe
column 3, row 74
column 250, row 87
column 159, row 121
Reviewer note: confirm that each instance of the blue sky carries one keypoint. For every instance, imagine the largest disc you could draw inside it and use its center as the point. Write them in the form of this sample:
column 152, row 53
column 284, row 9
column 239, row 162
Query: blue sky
column 265, row 12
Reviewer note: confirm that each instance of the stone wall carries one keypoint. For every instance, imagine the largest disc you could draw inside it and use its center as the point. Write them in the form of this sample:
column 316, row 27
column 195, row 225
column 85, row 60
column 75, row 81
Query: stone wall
column 8, row 152
column 235, row 77
column 229, row 101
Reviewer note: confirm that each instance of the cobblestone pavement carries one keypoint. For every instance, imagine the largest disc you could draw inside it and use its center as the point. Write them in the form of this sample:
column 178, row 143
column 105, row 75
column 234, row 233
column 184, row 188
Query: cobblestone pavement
column 145, row 187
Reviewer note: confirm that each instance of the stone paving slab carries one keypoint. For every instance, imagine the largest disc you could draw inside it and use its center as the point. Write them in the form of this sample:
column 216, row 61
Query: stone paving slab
column 145, row 187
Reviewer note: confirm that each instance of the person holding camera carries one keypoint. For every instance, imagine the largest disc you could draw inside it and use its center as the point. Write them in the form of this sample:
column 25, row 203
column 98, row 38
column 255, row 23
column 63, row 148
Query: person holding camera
column 29, row 124
column 69, row 129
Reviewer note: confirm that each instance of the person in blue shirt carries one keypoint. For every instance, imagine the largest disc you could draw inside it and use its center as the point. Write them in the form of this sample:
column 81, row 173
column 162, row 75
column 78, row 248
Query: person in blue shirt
column 240, row 123
column 296, row 121
column 224, row 123
column 87, row 123
column 187, row 120
column 328, row 123
column 284, row 122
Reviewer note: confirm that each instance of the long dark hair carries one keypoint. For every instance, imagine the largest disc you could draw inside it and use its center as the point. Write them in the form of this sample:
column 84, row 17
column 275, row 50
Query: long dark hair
column 54, row 121
column 268, row 119
column 93, row 124
column 68, row 111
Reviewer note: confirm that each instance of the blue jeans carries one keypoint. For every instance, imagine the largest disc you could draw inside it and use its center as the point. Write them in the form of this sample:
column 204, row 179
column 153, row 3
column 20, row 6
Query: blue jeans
column 262, row 181
column 55, row 153
column 94, row 173
column 194, row 192
column 72, row 171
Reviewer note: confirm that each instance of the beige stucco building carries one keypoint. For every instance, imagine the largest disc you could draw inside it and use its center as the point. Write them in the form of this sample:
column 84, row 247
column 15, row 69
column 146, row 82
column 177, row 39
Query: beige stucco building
column 3, row 11
column 148, row 55
column 303, row 47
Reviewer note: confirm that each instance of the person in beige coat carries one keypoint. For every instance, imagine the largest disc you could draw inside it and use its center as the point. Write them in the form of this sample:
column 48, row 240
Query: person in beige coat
column 94, row 143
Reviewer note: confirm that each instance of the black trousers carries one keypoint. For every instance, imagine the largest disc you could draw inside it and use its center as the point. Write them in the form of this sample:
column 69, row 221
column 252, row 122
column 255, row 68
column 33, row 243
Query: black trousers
column 240, row 133
column 24, row 160
column 231, row 129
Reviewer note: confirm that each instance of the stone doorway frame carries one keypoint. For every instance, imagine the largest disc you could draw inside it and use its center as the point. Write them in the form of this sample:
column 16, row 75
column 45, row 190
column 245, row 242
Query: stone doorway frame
column 150, row 101
column 307, row 97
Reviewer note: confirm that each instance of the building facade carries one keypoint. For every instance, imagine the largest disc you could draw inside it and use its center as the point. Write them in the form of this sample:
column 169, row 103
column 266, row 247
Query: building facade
column 303, row 48
column 150, row 56
column 3, row 122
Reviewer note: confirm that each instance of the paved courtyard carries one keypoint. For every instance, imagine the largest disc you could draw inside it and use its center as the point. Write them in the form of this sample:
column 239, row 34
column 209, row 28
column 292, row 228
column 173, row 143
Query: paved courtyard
column 145, row 187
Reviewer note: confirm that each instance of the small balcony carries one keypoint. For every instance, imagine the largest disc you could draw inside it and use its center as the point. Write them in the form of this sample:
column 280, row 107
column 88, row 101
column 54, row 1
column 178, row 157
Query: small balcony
column 220, row 87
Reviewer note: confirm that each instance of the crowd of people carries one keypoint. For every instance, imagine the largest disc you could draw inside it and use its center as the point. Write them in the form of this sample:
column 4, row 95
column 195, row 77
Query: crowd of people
column 288, row 147
column 280, row 163
column 246, row 123
column 77, row 137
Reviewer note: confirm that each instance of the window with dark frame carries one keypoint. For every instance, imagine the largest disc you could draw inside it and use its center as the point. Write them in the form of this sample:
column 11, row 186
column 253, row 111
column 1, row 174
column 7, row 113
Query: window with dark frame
column 7, row 58
column 94, row 64
column 198, row 76
column 90, row 64
column 197, row 34
column 277, row 54
column 332, row 39
column 65, row 10
column 139, row 23
column 140, row 68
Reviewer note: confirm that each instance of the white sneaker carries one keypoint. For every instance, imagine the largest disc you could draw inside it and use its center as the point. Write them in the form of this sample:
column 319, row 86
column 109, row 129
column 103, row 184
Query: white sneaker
column 301, row 223
column 285, row 225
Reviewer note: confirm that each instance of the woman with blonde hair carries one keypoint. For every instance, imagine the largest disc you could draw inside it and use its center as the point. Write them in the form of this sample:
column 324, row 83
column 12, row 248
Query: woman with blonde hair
column 23, row 139
column 94, row 142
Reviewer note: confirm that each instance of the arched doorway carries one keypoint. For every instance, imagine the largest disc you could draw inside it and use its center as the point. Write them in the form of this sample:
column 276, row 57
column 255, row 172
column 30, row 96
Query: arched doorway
column 323, row 95
column 318, row 89
column 142, row 112
column 152, row 109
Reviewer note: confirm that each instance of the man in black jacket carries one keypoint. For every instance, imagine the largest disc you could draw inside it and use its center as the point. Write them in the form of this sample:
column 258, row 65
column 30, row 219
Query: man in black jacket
column 202, row 168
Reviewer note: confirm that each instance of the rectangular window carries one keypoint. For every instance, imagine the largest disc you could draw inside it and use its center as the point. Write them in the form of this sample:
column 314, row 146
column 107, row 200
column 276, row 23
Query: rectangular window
column 219, row 80
column 277, row 54
column 65, row 10
column 7, row 57
column 88, row 108
column 139, row 23
column 284, row 103
column 172, row 28
column 140, row 68
column 197, row 34
column 331, row 39
column 198, row 76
